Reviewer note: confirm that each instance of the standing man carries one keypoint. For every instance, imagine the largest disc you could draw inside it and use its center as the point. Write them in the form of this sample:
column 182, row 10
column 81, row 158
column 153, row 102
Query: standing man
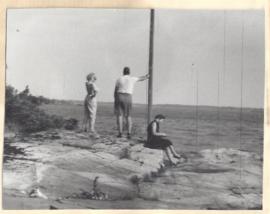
column 123, row 99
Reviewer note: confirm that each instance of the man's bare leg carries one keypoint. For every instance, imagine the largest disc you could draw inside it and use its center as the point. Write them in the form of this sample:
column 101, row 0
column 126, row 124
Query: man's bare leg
column 119, row 125
column 129, row 124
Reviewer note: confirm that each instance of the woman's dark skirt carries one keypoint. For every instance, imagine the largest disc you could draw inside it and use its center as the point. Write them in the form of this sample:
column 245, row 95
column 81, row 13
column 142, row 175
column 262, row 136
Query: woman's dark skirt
column 158, row 143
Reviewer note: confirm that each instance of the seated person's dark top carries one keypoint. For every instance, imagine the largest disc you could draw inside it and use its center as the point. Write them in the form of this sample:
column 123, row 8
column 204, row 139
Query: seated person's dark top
column 156, row 142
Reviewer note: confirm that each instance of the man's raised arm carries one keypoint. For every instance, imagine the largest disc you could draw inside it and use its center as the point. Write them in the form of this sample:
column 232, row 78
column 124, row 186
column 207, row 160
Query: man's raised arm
column 142, row 78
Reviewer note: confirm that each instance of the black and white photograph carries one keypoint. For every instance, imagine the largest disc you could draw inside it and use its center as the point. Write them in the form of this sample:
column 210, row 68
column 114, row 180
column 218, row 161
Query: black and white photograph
column 125, row 108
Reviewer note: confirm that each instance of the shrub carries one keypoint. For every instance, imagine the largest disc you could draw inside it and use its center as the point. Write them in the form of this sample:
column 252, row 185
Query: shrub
column 22, row 110
column 57, row 121
column 71, row 124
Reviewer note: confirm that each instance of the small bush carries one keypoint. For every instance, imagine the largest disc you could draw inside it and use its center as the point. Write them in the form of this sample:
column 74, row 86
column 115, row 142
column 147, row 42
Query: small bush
column 22, row 110
column 57, row 121
column 71, row 124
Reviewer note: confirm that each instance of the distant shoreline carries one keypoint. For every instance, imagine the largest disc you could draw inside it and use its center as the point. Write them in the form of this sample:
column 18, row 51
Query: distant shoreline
column 167, row 105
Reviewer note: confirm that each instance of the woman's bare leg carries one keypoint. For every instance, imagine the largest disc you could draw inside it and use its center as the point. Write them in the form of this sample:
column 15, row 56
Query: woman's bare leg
column 175, row 154
column 167, row 151
column 92, row 124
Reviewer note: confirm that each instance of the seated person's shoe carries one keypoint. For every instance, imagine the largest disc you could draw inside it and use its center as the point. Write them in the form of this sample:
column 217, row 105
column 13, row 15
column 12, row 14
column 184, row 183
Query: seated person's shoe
column 183, row 159
column 177, row 156
column 173, row 163
column 119, row 135
column 128, row 136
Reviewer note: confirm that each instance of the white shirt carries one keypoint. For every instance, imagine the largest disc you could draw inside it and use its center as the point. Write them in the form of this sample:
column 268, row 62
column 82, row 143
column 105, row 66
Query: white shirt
column 125, row 84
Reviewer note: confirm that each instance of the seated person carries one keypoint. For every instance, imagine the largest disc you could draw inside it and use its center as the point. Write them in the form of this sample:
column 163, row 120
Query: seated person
column 158, row 140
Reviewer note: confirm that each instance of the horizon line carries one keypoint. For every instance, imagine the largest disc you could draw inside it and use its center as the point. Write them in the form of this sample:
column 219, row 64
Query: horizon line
column 171, row 104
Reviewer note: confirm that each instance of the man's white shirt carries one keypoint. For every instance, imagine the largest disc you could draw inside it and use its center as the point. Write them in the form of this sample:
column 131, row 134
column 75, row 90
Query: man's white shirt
column 125, row 84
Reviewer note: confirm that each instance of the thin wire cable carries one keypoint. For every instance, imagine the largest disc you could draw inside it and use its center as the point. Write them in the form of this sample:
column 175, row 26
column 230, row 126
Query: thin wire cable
column 193, row 80
column 217, row 142
column 224, row 49
column 218, row 103
column 221, row 86
column 241, row 93
column 197, row 102
column 194, row 89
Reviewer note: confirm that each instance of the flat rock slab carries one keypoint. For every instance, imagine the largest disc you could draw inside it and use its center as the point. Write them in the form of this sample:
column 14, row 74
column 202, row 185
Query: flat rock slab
column 61, row 165
column 68, row 165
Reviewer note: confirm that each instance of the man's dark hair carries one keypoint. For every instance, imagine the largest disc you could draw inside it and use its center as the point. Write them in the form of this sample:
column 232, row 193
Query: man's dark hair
column 126, row 71
column 160, row 116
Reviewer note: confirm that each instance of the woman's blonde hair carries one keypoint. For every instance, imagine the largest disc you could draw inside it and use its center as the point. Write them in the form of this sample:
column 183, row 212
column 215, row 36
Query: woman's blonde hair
column 91, row 76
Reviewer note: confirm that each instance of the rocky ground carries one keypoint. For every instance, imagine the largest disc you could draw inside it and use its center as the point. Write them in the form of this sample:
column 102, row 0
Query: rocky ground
column 70, row 170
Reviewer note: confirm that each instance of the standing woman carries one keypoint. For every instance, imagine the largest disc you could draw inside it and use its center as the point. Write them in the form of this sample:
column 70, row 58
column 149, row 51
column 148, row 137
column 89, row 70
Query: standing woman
column 90, row 104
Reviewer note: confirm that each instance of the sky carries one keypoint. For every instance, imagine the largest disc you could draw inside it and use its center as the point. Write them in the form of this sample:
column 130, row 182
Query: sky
column 52, row 51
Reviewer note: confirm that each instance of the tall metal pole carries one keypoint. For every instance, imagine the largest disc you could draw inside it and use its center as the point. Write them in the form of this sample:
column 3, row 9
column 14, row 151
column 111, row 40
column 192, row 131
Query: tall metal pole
column 150, row 65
